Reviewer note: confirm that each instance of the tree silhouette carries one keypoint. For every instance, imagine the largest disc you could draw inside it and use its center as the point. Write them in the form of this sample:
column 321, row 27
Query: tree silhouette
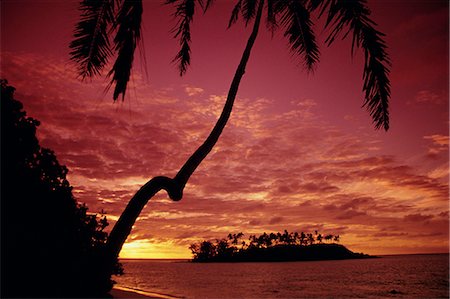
column 91, row 50
column 336, row 238
column 303, row 238
column 328, row 237
column 50, row 244
column 220, row 250
column 319, row 238
column 310, row 239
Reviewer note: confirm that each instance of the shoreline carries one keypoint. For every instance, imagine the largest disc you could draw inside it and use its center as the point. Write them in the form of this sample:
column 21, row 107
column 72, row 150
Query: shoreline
column 120, row 292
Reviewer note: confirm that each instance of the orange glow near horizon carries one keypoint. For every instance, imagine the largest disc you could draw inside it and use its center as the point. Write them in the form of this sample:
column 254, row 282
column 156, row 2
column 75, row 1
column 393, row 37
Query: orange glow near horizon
column 142, row 249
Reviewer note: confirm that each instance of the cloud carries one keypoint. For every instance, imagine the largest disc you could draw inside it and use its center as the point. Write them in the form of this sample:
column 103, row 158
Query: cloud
column 437, row 139
column 193, row 91
column 269, row 171
column 276, row 220
column 429, row 97
column 417, row 217
column 439, row 145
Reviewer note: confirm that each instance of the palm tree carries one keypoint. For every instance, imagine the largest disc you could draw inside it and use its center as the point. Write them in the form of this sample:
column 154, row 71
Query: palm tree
column 319, row 238
column 91, row 50
column 273, row 239
column 336, row 238
column 310, row 239
column 287, row 237
column 234, row 238
column 303, row 239
column 254, row 241
column 328, row 237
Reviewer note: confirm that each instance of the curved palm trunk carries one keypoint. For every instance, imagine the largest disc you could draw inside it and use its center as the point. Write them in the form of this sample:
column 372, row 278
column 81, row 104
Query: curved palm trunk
column 175, row 186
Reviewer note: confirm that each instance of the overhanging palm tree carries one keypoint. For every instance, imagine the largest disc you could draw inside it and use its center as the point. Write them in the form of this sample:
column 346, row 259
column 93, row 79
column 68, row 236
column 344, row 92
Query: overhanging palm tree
column 91, row 50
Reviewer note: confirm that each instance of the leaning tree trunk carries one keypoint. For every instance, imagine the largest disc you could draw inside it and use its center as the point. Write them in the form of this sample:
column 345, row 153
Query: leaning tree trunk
column 174, row 186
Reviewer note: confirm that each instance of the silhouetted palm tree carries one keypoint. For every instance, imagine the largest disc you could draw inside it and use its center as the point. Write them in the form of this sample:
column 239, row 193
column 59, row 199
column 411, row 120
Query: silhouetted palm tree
column 319, row 238
column 254, row 241
column 273, row 238
column 234, row 238
column 328, row 237
column 303, row 239
column 287, row 237
column 91, row 50
column 336, row 238
column 310, row 239
column 296, row 238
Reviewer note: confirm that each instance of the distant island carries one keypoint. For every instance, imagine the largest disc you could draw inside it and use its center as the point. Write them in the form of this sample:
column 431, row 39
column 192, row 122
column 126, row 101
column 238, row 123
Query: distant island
column 273, row 247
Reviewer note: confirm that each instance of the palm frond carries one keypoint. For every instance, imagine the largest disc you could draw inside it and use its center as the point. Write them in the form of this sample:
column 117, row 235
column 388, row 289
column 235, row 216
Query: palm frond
column 184, row 12
column 91, row 46
column 235, row 13
column 315, row 4
column 295, row 17
column 271, row 21
column 355, row 16
column 248, row 10
column 128, row 26
column 205, row 5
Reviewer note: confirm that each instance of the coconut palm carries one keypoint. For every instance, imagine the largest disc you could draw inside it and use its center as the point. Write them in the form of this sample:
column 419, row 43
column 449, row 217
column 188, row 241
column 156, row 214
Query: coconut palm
column 336, row 238
column 92, row 49
column 310, row 239
column 303, row 240
column 328, row 237
column 319, row 238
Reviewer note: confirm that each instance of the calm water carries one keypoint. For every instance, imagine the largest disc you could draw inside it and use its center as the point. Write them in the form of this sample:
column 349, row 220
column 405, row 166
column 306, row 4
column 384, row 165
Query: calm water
column 404, row 276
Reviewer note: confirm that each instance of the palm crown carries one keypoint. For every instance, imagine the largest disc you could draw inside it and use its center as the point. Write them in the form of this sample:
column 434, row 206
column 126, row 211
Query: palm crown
column 120, row 20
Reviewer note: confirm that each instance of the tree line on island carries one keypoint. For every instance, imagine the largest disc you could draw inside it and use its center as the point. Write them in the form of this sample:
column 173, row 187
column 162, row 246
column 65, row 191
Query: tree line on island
column 286, row 246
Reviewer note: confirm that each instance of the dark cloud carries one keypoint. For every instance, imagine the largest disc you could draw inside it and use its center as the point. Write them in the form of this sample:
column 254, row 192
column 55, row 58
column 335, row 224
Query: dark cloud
column 276, row 220
column 417, row 217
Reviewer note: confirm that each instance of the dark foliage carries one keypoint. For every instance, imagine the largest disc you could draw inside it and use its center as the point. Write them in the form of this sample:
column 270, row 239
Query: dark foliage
column 184, row 13
column 128, row 27
column 91, row 47
column 354, row 17
column 273, row 247
column 51, row 246
column 295, row 18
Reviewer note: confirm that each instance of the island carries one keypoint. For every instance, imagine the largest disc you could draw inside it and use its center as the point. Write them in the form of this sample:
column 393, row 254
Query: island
column 273, row 247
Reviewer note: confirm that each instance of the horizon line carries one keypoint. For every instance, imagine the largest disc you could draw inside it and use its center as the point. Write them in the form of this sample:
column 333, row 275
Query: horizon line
column 390, row 254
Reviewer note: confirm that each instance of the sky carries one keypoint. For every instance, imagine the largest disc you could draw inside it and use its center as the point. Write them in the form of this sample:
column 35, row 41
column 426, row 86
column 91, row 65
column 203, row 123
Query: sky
column 299, row 152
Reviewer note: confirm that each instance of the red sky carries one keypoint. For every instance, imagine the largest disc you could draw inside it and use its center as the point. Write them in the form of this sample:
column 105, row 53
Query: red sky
column 299, row 153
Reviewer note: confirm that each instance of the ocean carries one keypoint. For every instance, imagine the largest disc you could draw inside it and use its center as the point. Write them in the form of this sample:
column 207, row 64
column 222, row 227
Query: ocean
column 396, row 276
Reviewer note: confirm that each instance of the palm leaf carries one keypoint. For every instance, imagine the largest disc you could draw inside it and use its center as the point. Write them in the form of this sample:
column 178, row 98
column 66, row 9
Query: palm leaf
column 271, row 21
column 205, row 5
column 235, row 13
column 91, row 46
column 315, row 4
column 128, row 26
column 354, row 15
column 248, row 10
column 184, row 12
column 295, row 18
